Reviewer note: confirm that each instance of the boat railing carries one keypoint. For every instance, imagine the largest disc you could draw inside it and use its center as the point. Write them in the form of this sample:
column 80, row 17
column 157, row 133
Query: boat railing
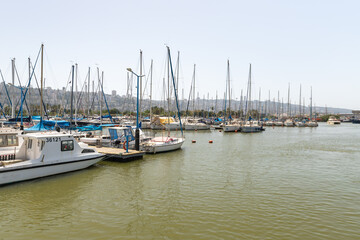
column 6, row 157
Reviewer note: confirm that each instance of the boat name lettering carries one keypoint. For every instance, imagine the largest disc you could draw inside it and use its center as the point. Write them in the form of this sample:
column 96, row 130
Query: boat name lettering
column 53, row 139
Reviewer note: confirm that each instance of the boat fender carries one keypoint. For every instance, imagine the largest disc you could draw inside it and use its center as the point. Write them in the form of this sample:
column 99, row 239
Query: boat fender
column 124, row 145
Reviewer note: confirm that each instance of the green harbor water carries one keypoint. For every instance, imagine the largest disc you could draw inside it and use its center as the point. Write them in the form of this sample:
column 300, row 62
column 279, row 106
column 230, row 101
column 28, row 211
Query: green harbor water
column 284, row 183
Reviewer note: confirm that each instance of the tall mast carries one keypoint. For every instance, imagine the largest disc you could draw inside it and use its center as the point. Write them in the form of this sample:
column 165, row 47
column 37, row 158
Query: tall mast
column 207, row 104
column 300, row 102
column 101, row 97
column 88, row 90
column 278, row 105
column 151, row 73
column 249, row 88
column 72, row 94
column 76, row 91
column 168, row 93
column 30, row 110
column 193, row 102
column 13, row 88
column 228, row 76
column 141, row 62
column 93, row 90
column 216, row 99
column 269, row 105
column 41, row 79
column 241, row 105
column 288, row 105
column 259, row 109
column 248, row 102
column 311, row 103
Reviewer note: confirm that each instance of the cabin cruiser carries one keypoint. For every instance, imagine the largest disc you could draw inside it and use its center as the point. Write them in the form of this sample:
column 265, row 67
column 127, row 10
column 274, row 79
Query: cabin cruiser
column 333, row 121
column 45, row 154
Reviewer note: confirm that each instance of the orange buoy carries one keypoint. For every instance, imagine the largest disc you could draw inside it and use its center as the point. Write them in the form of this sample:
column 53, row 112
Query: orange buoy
column 235, row 130
column 211, row 141
column 193, row 141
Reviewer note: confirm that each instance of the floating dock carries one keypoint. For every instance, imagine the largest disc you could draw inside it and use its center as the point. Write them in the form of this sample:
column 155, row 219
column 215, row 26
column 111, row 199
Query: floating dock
column 119, row 154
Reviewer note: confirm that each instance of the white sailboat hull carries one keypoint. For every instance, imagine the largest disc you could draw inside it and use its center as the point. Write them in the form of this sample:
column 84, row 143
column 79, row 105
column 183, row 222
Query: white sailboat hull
column 32, row 171
column 158, row 147
column 190, row 126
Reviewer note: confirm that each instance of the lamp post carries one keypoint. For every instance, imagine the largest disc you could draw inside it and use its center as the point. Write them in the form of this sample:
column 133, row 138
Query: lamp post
column 21, row 105
column 137, row 131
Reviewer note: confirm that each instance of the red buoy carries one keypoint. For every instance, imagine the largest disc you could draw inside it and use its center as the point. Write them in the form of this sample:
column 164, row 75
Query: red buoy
column 193, row 141
column 211, row 141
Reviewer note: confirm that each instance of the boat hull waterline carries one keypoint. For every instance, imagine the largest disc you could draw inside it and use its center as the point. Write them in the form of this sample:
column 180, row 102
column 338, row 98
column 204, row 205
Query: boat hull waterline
column 27, row 172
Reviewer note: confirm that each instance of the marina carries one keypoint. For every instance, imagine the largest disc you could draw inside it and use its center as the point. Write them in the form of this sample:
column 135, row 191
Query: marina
column 181, row 120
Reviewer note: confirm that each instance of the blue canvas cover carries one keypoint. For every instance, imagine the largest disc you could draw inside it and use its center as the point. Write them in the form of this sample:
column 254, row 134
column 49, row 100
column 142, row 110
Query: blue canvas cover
column 47, row 125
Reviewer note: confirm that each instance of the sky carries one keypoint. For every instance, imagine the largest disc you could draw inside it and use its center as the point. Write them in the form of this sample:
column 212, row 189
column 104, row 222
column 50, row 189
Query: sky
column 309, row 43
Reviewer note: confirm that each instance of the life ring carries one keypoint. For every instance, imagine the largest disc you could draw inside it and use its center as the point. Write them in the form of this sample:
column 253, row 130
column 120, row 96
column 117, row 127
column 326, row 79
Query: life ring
column 124, row 145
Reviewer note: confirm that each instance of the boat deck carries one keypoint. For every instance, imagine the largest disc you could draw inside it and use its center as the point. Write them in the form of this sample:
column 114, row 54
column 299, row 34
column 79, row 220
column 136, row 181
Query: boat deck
column 119, row 154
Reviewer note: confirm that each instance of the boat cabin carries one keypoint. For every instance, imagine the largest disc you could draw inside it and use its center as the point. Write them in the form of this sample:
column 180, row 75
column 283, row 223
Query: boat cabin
column 49, row 147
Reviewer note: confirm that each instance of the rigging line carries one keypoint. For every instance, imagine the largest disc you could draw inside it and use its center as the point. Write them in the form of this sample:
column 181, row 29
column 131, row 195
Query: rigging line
column 176, row 100
column 95, row 96
column 38, row 90
column 146, row 81
column 21, row 89
column 188, row 103
column 63, row 97
column 81, row 92
column 51, row 69
column 7, row 92
column 33, row 71
column 2, row 110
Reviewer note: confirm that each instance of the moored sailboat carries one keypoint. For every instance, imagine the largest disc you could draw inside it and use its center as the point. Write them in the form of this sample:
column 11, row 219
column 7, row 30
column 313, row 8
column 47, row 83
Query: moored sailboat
column 168, row 143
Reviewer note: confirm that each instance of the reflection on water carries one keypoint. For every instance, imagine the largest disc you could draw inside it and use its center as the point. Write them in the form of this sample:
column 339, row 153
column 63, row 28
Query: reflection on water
column 284, row 183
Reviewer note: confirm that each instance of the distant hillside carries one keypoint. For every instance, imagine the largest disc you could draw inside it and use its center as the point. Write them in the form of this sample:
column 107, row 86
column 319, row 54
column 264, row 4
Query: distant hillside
column 124, row 103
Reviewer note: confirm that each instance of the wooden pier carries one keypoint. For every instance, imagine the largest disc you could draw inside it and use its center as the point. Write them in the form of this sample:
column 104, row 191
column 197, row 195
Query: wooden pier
column 119, row 154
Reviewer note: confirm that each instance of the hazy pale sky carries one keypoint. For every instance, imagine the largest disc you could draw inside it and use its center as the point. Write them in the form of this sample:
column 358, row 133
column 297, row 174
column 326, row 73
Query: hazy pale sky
column 312, row 43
